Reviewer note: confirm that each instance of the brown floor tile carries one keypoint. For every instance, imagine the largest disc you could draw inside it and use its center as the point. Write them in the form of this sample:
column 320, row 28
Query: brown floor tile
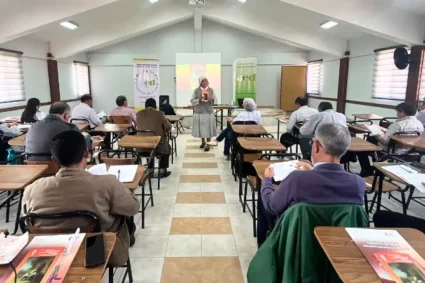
column 200, row 179
column 221, row 269
column 215, row 225
column 182, row 270
column 212, row 198
column 188, row 198
column 199, row 155
column 187, row 226
column 200, row 165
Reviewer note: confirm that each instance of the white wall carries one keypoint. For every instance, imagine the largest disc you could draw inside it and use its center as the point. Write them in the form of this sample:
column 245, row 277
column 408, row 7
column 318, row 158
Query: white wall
column 112, row 66
column 36, row 79
column 360, row 76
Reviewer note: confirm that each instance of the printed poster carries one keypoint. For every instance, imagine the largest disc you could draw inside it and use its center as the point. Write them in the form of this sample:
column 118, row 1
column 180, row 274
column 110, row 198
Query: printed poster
column 146, row 81
column 245, row 79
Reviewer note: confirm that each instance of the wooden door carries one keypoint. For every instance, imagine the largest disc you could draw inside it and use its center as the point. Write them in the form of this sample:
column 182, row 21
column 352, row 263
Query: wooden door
column 292, row 85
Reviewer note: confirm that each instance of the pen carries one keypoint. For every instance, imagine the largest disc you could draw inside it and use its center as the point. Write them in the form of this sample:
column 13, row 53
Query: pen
column 119, row 173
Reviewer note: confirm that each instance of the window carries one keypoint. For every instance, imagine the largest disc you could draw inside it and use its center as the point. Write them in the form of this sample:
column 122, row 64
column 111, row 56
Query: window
column 388, row 81
column 314, row 77
column 82, row 78
column 12, row 87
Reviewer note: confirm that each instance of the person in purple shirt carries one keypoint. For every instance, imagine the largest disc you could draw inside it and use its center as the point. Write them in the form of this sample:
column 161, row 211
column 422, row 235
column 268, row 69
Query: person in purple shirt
column 324, row 183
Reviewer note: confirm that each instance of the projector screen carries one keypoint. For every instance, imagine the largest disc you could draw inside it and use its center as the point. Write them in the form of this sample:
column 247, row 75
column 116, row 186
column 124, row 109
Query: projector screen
column 191, row 66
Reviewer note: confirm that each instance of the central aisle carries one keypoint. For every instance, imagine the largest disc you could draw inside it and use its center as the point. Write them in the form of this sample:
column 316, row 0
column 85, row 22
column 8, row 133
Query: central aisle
column 196, row 232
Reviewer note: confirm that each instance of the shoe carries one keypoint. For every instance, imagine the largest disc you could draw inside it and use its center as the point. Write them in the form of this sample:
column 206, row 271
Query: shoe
column 164, row 174
column 202, row 145
column 207, row 148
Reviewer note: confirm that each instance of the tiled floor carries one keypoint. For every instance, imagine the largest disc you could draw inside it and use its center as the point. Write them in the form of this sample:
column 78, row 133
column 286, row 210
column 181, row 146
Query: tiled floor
column 196, row 232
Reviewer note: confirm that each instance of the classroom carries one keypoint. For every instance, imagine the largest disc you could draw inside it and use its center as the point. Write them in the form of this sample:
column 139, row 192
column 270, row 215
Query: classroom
column 213, row 141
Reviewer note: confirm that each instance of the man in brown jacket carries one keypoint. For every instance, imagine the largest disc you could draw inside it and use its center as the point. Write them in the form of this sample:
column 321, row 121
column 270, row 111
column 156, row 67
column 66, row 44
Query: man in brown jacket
column 74, row 189
column 153, row 120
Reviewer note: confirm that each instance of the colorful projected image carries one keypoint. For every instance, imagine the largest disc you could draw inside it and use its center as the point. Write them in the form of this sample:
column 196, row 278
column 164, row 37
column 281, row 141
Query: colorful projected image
column 187, row 75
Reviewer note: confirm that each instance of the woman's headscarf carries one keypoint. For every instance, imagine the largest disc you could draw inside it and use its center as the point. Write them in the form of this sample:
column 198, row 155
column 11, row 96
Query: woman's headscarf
column 201, row 78
column 249, row 104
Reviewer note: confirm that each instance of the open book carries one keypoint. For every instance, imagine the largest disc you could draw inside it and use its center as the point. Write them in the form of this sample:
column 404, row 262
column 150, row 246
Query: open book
column 283, row 169
column 124, row 173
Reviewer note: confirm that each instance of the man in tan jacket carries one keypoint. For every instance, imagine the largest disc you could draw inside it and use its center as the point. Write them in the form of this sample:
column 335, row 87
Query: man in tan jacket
column 154, row 120
column 74, row 189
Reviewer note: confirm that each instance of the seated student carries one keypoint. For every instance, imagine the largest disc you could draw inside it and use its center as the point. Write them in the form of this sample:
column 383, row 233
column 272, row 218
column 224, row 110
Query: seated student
column 406, row 122
column 302, row 113
column 250, row 114
column 123, row 109
column 41, row 133
column 85, row 111
column 167, row 108
column 324, row 183
column 153, row 120
column 74, row 189
column 421, row 114
column 8, row 130
column 31, row 113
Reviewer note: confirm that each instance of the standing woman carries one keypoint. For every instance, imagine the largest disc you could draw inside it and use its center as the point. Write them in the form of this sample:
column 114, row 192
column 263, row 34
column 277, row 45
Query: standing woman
column 31, row 112
column 203, row 118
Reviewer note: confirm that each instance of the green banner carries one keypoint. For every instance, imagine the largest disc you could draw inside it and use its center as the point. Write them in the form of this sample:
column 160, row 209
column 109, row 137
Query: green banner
column 245, row 79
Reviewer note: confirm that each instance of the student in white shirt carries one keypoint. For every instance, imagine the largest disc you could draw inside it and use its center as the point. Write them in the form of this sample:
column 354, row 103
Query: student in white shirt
column 31, row 113
column 302, row 113
column 250, row 114
column 85, row 111
column 421, row 114
column 7, row 130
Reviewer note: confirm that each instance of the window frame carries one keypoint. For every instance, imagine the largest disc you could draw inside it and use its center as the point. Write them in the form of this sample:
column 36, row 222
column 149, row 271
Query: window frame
column 319, row 78
column 76, row 64
column 19, row 54
column 390, row 96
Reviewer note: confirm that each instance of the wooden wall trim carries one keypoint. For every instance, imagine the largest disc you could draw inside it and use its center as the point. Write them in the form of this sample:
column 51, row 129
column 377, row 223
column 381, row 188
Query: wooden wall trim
column 322, row 97
column 71, row 100
column 12, row 51
column 342, row 84
column 371, row 104
column 414, row 75
column 52, row 70
column 21, row 107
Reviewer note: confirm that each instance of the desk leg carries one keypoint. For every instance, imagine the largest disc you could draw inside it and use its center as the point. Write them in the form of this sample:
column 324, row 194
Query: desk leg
column 143, row 206
column 221, row 119
column 240, row 175
column 18, row 213
column 381, row 182
column 278, row 129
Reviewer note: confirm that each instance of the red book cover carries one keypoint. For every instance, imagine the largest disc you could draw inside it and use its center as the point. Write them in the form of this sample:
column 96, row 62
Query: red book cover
column 389, row 254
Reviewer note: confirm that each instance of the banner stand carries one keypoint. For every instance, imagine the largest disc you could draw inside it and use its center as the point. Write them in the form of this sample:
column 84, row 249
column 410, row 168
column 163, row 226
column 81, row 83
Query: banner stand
column 146, row 81
column 244, row 79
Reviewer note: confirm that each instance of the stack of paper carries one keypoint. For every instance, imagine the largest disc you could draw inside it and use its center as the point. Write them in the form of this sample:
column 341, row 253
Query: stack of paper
column 283, row 169
column 408, row 174
column 11, row 246
column 124, row 173
column 375, row 130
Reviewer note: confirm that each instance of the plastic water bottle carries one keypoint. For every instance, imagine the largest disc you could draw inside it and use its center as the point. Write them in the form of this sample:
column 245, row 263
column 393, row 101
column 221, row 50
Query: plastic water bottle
column 11, row 155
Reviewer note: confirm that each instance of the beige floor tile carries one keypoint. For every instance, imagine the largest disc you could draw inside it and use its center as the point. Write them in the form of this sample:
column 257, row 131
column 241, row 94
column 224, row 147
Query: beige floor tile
column 200, row 179
column 188, row 198
column 212, row 197
column 149, row 246
column 184, row 246
column 149, row 273
column 199, row 155
column 187, row 210
column 186, row 226
column 214, row 210
column 189, row 188
column 211, row 187
column 182, row 270
column 221, row 269
column 218, row 245
column 200, row 165
column 215, row 225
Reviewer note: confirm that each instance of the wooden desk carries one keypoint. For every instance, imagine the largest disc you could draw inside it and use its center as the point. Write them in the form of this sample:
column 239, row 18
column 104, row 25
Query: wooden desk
column 249, row 129
column 360, row 145
column 174, row 118
column 370, row 117
column 139, row 142
column 261, row 165
column 358, row 128
column 18, row 141
column 77, row 272
column 416, row 142
column 112, row 128
column 17, row 177
column 82, row 126
column 281, row 119
column 379, row 166
column 348, row 261
column 261, row 144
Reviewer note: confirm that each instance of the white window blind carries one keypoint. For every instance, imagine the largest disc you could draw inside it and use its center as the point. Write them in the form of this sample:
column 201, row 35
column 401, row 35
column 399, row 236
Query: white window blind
column 82, row 78
column 422, row 79
column 314, row 77
column 388, row 81
column 12, row 86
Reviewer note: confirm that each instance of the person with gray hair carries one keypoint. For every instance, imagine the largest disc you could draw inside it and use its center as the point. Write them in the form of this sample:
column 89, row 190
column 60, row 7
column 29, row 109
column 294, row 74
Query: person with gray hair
column 324, row 182
column 250, row 114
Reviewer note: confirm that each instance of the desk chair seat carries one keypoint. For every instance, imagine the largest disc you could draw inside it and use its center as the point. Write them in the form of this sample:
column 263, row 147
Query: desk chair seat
column 120, row 120
column 92, row 224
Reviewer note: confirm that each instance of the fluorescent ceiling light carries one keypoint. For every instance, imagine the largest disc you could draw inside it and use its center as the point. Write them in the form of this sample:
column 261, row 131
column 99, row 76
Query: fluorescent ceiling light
column 243, row 1
column 328, row 24
column 153, row 1
column 69, row 25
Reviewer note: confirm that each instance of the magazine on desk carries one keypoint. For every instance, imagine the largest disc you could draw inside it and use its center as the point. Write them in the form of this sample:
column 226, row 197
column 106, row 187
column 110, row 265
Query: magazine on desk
column 45, row 259
column 389, row 254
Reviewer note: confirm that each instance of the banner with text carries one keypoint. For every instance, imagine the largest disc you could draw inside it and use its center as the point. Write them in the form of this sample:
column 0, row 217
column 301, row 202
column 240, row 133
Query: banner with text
column 245, row 79
column 146, row 81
